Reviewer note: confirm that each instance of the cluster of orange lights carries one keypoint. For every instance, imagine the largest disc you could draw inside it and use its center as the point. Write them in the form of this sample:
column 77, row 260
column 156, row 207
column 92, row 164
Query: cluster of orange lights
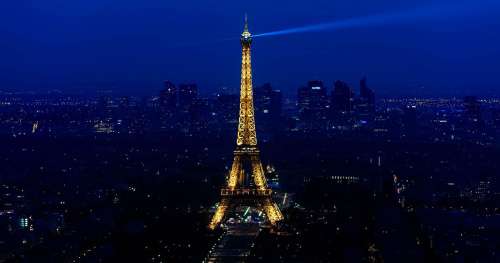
column 246, row 150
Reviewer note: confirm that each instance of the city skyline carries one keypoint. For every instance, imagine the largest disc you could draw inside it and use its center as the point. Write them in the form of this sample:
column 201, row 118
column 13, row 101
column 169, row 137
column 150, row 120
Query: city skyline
column 329, row 170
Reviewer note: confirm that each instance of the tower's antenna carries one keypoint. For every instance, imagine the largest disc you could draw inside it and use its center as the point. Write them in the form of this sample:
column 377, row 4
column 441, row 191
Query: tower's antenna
column 246, row 22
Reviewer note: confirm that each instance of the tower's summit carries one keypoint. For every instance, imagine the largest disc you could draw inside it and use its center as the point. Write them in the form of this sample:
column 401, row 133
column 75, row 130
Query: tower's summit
column 246, row 37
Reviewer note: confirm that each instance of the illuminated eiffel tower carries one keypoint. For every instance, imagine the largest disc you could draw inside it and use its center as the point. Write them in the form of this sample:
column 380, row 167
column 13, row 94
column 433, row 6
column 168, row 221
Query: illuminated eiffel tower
column 246, row 184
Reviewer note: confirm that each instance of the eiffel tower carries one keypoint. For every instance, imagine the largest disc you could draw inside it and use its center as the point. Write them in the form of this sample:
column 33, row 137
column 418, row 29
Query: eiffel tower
column 246, row 184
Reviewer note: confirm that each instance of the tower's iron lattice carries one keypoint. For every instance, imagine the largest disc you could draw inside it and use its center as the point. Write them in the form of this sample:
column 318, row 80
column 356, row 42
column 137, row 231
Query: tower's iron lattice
column 246, row 184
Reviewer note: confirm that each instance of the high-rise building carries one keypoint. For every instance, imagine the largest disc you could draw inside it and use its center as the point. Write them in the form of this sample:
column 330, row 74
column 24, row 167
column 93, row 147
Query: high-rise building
column 342, row 101
column 342, row 97
column 312, row 102
column 365, row 104
column 303, row 100
column 276, row 107
column 365, row 92
column 268, row 107
column 319, row 99
column 168, row 96
column 188, row 93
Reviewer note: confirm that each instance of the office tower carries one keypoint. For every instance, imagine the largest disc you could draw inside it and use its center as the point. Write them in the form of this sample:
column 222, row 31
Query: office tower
column 268, row 107
column 168, row 97
column 342, row 97
column 188, row 93
column 312, row 102
column 365, row 104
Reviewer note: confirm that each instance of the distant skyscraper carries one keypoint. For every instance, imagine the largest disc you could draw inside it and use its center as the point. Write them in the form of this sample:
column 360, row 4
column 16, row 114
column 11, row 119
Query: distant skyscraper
column 168, row 97
column 303, row 100
column 365, row 103
column 365, row 92
column 187, row 96
column 268, row 106
column 276, row 107
column 367, row 95
column 319, row 99
column 312, row 102
column 263, row 97
column 342, row 97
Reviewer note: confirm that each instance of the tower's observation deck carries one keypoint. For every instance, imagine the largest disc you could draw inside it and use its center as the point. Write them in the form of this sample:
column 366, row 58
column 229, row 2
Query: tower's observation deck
column 246, row 183
column 246, row 192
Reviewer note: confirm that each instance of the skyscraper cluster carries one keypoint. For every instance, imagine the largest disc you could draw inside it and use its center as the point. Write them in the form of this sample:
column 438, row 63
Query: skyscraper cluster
column 319, row 111
column 181, row 97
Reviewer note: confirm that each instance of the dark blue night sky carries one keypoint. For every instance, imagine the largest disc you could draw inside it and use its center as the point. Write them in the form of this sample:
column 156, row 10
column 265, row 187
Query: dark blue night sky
column 132, row 46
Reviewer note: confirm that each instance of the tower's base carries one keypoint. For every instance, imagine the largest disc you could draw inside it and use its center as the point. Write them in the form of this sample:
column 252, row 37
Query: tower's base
column 231, row 202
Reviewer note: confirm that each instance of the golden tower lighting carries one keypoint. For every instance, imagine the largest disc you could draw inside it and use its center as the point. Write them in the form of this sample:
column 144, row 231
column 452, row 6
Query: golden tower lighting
column 246, row 184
